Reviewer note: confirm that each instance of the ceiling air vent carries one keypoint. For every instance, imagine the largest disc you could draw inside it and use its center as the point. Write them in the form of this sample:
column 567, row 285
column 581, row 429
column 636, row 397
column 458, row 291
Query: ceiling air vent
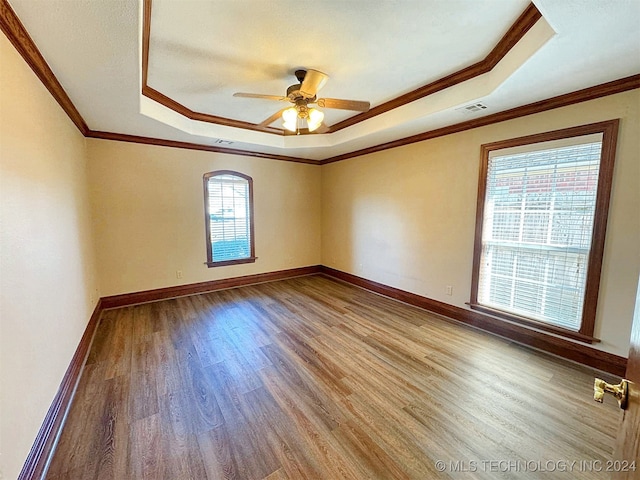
column 473, row 108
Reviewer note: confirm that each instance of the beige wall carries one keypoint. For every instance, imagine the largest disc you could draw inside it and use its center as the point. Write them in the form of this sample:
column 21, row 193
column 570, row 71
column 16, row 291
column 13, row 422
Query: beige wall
column 47, row 280
column 405, row 217
column 148, row 210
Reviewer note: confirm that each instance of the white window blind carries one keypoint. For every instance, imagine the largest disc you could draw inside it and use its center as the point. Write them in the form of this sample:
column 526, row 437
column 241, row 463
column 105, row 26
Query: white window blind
column 229, row 217
column 536, row 237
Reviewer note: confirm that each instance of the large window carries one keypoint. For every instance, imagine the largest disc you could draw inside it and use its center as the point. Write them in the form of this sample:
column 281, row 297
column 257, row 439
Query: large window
column 228, row 198
column 542, row 215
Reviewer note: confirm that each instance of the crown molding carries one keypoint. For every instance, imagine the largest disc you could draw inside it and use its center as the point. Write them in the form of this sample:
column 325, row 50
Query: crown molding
column 12, row 27
column 177, row 107
column 17, row 34
column 121, row 137
column 522, row 25
column 590, row 93
column 172, row 104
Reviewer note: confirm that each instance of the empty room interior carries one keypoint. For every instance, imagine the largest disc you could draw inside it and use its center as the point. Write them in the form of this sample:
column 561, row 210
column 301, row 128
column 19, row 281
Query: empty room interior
column 319, row 240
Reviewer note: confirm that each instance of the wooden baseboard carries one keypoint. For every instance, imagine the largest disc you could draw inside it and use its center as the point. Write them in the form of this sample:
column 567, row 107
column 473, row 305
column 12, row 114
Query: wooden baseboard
column 562, row 347
column 37, row 462
column 550, row 343
column 202, row 287
column 39, row 457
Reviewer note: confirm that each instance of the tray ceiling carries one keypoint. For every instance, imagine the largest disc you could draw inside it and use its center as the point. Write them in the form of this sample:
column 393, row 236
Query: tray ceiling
column 200, row 53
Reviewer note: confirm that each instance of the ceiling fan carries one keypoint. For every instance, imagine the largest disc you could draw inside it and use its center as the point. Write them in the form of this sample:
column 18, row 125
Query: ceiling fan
column 303, row 94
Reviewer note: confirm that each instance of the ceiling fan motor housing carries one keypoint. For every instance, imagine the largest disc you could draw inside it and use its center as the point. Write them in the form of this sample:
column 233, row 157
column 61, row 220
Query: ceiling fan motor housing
column 294, row 93
column 303, row 94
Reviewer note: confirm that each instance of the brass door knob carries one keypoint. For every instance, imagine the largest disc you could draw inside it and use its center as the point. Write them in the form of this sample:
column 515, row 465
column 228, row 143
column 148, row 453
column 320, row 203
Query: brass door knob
column 620, row 391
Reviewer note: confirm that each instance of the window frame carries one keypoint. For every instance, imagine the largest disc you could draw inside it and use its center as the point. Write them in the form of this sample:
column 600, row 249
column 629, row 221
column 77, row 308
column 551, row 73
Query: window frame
column 609, row 131
column 207, row 222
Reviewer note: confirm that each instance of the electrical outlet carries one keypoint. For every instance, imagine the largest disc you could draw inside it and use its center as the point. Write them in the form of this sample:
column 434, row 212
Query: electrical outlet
column 449, row 290
column 178, row 273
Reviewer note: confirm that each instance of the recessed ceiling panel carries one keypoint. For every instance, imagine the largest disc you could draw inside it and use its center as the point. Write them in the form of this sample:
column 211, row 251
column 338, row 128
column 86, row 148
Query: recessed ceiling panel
column 203, row 52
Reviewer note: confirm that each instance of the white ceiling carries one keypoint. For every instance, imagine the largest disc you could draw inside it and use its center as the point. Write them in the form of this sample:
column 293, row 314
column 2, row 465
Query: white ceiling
column 201, row 52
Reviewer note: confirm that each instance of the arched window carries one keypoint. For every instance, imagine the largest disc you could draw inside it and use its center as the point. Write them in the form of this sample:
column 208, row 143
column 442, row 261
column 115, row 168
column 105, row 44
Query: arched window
column 228, row 204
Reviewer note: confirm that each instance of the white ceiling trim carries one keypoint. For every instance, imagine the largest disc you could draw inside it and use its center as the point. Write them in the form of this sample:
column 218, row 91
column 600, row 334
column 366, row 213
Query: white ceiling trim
column 450, row 98
column 93, row 49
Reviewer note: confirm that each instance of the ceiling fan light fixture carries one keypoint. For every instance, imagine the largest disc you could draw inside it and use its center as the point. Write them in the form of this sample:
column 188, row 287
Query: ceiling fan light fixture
column 301, row 95
column 292, row 127
column 290, row 117
column 314, row 119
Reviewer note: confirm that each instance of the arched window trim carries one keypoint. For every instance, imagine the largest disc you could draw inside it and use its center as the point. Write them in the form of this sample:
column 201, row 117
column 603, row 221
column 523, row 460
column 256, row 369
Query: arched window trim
column 252, row 258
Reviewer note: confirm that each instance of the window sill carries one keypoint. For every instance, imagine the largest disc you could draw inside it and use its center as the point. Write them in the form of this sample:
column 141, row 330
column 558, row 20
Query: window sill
column 231, row 262
column 534, row 323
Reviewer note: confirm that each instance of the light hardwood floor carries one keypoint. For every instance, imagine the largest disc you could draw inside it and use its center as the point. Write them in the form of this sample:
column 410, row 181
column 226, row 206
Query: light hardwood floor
column 310, row 378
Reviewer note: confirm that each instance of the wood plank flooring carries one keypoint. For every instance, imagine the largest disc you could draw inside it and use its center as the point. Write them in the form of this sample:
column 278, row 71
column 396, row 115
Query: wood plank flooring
column 310, row 378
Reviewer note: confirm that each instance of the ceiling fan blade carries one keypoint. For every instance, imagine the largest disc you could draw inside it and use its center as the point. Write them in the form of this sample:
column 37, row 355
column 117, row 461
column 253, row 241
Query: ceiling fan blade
column 273, row 118
column 259, row 95
column 313, row 81
column 356, row 105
